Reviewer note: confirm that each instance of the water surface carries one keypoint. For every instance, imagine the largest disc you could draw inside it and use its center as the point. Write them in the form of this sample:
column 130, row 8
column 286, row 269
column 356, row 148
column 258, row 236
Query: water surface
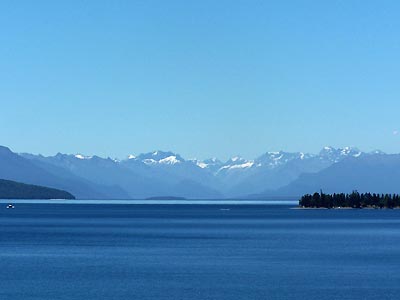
column 219, row 251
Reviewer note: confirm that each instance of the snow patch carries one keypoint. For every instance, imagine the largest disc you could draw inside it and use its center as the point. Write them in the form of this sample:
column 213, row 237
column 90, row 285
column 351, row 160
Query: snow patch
column 202, row 164
column 80, row 156
column 236, row 158
column 245, row 165
column 170, row 160
column 149, row 161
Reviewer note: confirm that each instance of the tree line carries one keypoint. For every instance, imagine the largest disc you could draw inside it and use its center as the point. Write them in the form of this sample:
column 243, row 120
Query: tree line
column 353, row 200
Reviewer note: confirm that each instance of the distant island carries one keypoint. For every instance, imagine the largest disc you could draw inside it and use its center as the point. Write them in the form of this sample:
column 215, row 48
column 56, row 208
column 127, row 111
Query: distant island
column 353, row 200
column 16, row 190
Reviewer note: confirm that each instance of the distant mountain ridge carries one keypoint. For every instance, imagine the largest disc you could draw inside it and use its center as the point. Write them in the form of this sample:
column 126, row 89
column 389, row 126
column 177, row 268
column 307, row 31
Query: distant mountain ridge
column 375, row 173
column 36, row 172
column 167, row 173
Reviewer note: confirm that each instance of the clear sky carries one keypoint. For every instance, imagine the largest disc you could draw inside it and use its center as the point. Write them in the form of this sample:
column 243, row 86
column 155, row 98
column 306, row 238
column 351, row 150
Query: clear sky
column 201, row 78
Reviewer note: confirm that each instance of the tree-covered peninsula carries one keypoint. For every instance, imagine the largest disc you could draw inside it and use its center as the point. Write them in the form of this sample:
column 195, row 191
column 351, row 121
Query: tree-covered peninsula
column 353, row 200
column 16, row 190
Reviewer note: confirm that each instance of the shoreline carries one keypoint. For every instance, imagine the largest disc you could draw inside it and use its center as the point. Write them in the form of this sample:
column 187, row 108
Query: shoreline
column 343, row 208
column 150, row 202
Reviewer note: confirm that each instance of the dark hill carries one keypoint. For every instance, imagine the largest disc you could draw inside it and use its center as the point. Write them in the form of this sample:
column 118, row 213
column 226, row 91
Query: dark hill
column 15, row 190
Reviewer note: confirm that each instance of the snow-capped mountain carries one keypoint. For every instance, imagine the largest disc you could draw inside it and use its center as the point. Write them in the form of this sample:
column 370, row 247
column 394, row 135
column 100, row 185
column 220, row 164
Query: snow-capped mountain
column 161, row 173
column 212, row 164
column 273, row 160
column 160, row 157
column 236, row 162
column 336, row 155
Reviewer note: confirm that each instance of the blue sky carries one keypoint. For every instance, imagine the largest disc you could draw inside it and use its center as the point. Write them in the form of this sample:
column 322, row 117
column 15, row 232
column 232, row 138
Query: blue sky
column 202, row 78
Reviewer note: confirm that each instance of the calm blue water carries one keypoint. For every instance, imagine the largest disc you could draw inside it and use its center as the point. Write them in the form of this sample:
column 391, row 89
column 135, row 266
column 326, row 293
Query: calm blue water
column 89, row 251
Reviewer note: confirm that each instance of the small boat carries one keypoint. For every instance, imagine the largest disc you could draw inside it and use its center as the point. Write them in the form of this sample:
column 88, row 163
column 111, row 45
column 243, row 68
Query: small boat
column 10, row 206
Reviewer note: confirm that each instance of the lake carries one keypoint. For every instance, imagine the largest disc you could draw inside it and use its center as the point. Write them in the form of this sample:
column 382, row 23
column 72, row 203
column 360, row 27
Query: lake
column 197, row 251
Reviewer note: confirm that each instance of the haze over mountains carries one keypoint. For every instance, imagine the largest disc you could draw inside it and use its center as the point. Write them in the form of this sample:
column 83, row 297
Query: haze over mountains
column 159, row 173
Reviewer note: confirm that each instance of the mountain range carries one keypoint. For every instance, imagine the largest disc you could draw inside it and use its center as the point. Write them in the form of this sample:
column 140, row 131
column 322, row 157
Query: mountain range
column 161, row 173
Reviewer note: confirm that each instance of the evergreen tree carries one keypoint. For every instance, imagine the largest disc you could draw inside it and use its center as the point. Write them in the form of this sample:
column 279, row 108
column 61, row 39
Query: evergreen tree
column 354, row 200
